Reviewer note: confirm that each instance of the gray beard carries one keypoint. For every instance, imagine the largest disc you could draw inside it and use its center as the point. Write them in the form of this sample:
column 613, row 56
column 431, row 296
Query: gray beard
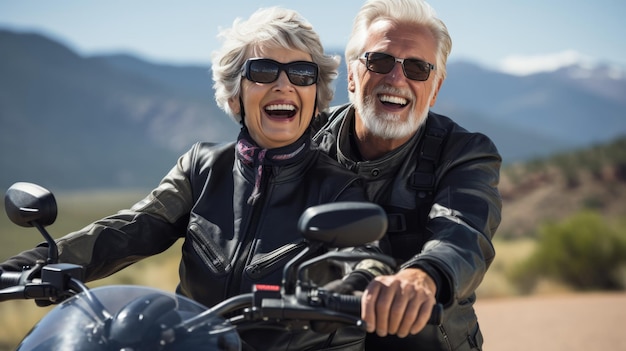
column 388, row 125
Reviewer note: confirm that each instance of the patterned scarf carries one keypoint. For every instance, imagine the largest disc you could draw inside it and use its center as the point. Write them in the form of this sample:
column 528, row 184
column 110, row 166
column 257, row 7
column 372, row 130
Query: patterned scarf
column 251, row 154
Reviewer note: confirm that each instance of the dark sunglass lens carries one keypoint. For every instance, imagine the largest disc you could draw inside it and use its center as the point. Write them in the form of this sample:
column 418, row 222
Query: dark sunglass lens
column 380, row 63
column 263, row 71
column 416, row 69
column 302, row 74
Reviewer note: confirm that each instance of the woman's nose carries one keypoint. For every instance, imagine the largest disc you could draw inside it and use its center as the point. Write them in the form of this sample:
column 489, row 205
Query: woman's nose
column 283, row 81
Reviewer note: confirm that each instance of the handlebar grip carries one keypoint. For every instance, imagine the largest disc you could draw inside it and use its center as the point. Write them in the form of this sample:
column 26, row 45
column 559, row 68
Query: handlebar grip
column 10, row 279
column 351, row 304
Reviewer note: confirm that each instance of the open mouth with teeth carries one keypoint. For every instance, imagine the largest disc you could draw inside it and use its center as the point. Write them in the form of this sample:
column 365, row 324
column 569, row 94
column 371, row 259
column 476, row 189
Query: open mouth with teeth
column 281, row 111
column 393, row 101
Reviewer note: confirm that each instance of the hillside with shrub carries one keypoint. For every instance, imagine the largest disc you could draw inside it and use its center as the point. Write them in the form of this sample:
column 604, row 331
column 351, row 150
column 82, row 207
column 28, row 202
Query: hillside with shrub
column 563, row 225
column 554, row 188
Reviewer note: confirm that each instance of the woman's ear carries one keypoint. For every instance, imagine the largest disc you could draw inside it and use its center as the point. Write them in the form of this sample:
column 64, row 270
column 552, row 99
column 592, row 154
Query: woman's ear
column 234, row 105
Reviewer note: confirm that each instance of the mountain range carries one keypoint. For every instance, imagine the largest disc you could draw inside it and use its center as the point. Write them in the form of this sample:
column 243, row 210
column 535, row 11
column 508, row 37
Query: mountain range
column 81, row 122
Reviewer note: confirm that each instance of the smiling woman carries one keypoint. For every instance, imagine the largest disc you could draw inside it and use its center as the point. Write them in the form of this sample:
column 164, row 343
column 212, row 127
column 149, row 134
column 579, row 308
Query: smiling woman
column 278, row 100
column 236, row 204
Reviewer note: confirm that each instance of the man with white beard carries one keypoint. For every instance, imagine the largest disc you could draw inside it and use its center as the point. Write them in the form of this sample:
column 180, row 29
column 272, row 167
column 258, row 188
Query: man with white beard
column 436, row 180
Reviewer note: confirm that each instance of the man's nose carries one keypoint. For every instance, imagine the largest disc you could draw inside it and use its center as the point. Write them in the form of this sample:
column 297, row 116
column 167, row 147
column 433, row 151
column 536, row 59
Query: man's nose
column 397, row 72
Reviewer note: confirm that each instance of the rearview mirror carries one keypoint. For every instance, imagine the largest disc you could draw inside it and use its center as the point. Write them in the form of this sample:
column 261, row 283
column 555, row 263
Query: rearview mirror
column 343, row 224
column 27, row 203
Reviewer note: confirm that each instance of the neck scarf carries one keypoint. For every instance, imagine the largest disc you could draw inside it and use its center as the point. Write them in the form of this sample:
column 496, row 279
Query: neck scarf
column 250, row 153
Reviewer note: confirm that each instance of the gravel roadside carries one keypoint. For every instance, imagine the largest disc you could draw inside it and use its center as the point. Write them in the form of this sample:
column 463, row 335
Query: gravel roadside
column 572, row 322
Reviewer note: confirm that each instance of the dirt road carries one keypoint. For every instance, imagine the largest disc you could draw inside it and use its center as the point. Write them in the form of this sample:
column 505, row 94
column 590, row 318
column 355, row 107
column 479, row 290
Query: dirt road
column 554, row 323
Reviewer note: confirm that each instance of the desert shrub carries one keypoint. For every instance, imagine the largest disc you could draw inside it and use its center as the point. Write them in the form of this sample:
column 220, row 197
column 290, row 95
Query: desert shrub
column 584, row 252
column 594, row 202
column 569, row 166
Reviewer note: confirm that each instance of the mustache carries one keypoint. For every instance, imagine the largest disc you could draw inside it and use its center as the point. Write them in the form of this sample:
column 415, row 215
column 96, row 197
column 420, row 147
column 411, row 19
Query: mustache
column 386, row 89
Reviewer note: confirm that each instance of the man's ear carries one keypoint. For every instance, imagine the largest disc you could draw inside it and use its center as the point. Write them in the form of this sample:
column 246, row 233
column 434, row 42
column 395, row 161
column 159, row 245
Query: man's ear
column 351, row 83
column 434, row 99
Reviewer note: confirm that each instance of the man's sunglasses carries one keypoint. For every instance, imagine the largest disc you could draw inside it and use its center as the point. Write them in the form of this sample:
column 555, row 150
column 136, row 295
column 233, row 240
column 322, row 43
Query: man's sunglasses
column 263, row 70
column 414, row 69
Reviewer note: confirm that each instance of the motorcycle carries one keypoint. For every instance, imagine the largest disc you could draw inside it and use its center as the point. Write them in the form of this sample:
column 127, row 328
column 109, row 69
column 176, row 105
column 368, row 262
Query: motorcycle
column 126, row 317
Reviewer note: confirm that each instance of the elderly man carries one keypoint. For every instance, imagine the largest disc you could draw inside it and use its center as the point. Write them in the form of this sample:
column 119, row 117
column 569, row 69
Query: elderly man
column 436, row 180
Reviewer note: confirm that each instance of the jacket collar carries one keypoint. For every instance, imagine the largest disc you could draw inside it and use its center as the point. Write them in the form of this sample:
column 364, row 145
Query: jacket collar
column 382, row 167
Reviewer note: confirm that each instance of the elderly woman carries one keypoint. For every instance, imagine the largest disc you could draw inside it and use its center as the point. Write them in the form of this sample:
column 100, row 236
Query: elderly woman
column 236, row 205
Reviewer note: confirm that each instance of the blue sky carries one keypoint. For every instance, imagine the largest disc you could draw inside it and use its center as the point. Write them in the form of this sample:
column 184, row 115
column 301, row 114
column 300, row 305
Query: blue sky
column 519, row 36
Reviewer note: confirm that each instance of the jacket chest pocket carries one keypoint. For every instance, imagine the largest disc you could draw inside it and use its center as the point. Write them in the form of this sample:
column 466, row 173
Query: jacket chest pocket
column 270, row 262
column 208, row 250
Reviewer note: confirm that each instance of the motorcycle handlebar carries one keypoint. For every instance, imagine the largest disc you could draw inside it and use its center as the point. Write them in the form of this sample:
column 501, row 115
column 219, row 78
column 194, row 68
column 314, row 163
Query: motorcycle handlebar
column 57, row 282
column 13, row 286
column 10, row 279
column 317, row 305
column 268, row 303
column 351, row 304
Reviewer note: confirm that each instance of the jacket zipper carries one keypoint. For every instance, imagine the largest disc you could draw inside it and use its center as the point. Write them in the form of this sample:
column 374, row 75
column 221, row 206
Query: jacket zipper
column 445, row 337
column 208, row 251
column 234, row 285
column 269, row 262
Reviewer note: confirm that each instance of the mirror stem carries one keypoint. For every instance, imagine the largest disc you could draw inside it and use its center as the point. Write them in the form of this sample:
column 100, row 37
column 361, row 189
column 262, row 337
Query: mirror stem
column 53, row 252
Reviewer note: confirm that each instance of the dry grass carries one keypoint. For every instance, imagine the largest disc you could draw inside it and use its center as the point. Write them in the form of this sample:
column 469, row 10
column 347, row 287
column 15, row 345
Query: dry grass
column 508, row 254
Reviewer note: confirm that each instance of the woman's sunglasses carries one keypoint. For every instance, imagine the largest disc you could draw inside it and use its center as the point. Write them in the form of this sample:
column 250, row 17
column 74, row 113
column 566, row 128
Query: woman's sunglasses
column 414, row 69
column 262, row 70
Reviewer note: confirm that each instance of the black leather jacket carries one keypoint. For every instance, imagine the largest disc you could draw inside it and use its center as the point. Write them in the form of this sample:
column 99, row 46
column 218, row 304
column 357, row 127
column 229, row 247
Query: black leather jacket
column 440, row 193
column 228, row 244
